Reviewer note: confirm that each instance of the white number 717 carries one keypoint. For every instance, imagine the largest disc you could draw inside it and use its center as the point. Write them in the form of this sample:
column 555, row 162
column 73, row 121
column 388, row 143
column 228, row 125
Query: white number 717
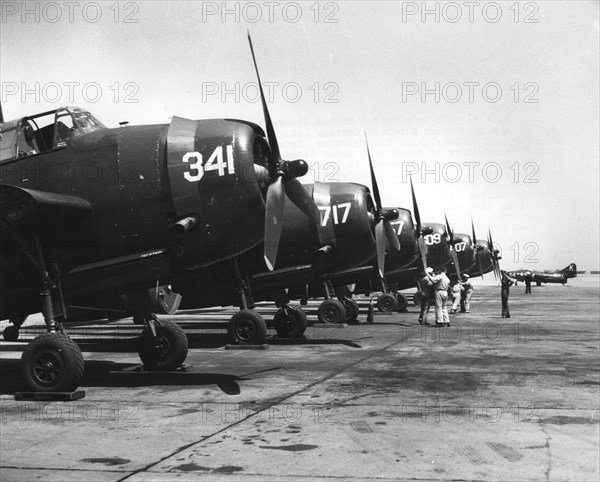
column 327, row 210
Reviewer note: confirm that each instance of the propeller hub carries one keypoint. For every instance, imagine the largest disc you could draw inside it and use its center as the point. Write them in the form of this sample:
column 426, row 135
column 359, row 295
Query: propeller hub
column 293, row 169
column 391, row 214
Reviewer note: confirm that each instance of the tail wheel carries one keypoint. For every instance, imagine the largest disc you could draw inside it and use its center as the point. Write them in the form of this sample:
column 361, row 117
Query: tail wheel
column 290, row 322
column 331, row 311
column 168, row 351
column 402, row 302
column 247, row 327
column 52, row 362
column 387, row 303
column 351, row 308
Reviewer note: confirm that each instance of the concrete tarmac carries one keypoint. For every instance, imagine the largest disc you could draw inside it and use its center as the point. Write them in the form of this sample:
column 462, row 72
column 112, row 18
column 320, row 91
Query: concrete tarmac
column 486, row 399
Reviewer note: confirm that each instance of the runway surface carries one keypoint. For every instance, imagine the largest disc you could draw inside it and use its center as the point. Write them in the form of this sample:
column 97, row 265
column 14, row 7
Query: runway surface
column 486, row 399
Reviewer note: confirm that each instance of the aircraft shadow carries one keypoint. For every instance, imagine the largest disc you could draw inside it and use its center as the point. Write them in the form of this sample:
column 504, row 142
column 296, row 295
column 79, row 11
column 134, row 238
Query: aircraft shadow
column 101, row 373
column 306, row 341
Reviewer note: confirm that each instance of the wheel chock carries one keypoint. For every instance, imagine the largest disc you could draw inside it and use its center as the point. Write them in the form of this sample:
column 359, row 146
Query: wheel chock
column 50, row 396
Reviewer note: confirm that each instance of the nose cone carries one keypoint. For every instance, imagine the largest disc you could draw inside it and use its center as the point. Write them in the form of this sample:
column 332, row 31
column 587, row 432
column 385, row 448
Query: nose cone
column 405, row 231
column 212, row 177
column 438, row 248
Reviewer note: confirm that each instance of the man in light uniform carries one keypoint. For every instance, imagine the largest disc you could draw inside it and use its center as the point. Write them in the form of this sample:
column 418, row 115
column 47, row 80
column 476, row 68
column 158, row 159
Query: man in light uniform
column 465, row 298
column 456, row 296
column 428, row 296
column 441, row 283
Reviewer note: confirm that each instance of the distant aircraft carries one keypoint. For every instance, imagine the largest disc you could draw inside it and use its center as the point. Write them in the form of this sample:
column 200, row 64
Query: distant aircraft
column 540, row 277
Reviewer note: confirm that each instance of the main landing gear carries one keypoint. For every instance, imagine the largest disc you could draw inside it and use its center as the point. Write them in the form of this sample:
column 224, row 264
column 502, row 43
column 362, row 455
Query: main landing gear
column 163, row 345
column 290, row 321
column 332, row 310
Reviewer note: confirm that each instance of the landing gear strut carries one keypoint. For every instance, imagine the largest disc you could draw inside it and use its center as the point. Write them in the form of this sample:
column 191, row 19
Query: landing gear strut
column 246, row 327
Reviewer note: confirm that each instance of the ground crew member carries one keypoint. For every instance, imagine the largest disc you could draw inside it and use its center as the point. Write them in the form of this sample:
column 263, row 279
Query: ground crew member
column 466, row 294
column 441, row 283
column 428, row 296
column 456, row 295
column 506, row 282
column 528, row 284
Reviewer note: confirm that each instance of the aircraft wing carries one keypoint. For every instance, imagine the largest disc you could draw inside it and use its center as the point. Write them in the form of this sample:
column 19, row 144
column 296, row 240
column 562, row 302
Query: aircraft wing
column 37, row 209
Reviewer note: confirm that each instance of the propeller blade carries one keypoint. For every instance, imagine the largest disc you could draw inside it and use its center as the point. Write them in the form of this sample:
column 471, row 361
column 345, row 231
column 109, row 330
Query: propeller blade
column 376, row 194
column 322, row 197
column 390, row 233
column 473, row 233
column 269, row 124
column 456, row 263
column 301, row 198
column 273, row 221
column 450, row 232
column 480, row 266
column 380, row 240
column 415, row 208
column 422, row 251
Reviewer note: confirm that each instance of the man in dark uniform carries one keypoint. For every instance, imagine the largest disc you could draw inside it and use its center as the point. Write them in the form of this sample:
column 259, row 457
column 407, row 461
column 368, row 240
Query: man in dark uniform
column 506, row 282
column 528, row 284
column 428, row 296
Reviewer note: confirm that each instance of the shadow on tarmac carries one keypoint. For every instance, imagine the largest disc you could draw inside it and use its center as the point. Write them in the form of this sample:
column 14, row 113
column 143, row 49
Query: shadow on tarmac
column 113, row 374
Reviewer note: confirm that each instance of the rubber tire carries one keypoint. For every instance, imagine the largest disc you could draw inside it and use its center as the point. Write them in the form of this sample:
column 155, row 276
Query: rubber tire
column 387, row 303
column 292, row 325
column 352, row 310
column 418, row 298
column 331, row 311
column 65, row 360
column 10, row 333
column 172, row 351
column 402, row 301
column 247, row 327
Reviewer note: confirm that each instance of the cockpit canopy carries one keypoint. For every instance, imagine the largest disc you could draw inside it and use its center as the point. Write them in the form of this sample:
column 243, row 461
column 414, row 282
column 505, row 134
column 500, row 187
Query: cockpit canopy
column 44, row 132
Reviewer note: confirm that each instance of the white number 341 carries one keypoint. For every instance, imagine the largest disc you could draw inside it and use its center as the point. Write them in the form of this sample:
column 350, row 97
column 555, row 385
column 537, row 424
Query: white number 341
column 219, row 160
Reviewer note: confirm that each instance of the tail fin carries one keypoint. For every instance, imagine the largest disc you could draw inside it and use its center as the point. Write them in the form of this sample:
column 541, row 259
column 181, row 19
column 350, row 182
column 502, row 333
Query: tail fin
column 570, row 271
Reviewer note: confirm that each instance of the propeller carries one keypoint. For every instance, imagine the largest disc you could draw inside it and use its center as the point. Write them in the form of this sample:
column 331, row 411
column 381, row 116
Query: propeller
column 453, row 252
column 418, row 231
column 282, row 175
column 494, row 252
column 383, row 228
column 478, row 248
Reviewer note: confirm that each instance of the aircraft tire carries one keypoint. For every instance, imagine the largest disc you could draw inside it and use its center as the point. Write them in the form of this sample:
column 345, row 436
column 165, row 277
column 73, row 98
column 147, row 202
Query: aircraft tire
column 11, row 333
column 291, row 324
column 52, row 362
column 247, row 327
column 351, row 309
column 168, row 352
column 538, row 283
column 387, row 303
column 331, row 311
column 402, row 301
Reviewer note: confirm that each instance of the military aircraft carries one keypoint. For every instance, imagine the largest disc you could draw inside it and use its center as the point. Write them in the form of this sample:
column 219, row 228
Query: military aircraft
column 539, row 277
column 89, row 211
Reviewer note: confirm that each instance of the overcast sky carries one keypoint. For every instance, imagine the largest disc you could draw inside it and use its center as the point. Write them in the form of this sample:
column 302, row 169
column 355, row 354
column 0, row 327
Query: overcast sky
column 492, row 106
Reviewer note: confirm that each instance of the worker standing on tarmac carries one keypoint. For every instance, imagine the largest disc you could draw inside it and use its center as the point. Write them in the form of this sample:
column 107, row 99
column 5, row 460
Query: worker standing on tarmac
column 506, row 282
column 456, row 296
column 428, row 296
column 465, row 298
column 441, row 283
column 528, row 284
